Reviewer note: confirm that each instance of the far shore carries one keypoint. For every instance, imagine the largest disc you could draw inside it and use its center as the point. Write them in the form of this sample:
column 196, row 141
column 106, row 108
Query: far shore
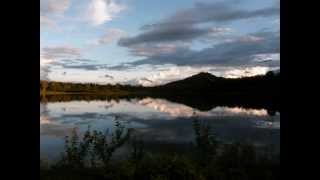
column 84, row 93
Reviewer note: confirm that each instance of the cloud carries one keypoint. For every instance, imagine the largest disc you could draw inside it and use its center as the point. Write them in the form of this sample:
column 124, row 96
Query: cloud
column 108, row 76
column 150, row 50
column 251, row 38
column 108, row 37
column 45, row 21
column 267, row 57
column 44, row 67
column 81, row 67
column 102, row 11
column 60, row 52
column 171, row 40
column 237, row 52
column 145, row 82
column 201, row 38
column 78, row 64
column 216, row 12
column 44, row 72
column 96, row 12
column 245, row 72
column 169, row 34
column 162, row 74
column 56, row 56
column 50, row 9
column 119, row 67
column 78, row 60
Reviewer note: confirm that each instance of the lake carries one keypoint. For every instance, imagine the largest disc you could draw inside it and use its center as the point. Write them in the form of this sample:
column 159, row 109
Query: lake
column 156, row 120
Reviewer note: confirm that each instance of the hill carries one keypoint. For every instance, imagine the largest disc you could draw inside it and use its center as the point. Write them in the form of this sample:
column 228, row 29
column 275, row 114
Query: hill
column 209, row 84
column 202, row 80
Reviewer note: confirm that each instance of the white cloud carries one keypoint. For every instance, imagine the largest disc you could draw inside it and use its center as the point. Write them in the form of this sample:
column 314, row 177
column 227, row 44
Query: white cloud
column 246, row 72
column 44, row 67
column 266, row 57
column 159, row 75
column 50, row 10
column 58, row 52
column 101, row 11
column 53, row 6
column 167, row 73
column 50, row 55
column 46, row 22
column 151, row 75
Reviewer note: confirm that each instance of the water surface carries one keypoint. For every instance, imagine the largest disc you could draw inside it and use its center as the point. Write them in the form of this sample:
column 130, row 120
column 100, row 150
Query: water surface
column 156, row 121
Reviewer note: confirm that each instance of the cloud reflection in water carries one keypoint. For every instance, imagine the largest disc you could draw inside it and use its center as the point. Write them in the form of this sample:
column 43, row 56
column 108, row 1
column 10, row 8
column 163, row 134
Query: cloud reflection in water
column 150, row 117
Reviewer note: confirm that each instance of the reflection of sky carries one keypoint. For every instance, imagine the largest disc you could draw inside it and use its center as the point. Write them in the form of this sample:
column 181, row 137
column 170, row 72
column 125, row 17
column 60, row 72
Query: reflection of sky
column 148, row 116
column 144, row 108
column 179, row 110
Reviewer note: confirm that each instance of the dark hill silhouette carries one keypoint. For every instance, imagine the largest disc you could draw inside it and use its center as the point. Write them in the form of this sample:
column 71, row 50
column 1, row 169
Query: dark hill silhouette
column 204, row 91
column 210, row 84
column 201, row 80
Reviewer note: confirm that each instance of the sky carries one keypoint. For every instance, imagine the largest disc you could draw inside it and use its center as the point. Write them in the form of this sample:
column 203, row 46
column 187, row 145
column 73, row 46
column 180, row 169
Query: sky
column 145, row 42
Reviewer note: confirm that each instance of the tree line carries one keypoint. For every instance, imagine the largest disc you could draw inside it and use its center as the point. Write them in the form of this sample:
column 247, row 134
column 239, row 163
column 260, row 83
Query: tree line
column 202, row 83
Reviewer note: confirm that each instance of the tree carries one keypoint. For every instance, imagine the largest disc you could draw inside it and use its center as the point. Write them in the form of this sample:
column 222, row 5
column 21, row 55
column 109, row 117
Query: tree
column 43, row 87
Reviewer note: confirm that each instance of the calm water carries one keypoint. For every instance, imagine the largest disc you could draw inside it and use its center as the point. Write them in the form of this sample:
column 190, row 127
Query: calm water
column 156, row 121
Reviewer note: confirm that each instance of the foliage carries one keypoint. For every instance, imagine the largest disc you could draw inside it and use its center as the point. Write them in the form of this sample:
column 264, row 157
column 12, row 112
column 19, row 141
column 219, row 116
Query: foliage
column 91, row 158
column 95, row 147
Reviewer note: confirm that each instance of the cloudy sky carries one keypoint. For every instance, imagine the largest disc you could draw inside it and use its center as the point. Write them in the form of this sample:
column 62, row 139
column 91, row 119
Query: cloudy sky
column 154, row 42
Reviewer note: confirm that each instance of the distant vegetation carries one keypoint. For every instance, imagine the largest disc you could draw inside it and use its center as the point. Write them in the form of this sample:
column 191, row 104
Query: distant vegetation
column 202, row 91
column 56, row 88
column 91, row 156
column 202, row 82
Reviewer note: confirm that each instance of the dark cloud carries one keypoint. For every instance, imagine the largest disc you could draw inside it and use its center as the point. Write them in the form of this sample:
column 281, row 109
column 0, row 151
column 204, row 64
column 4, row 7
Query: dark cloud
column 182, row 26
column 108, row 76
column 80, row 64
column 76, row 63
column 237, row 52
column 77, row 60
column 218, row 12
column 146, row 80
column 120, row 67
column 168, row 34
column 88, row 67
column 169, row 41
